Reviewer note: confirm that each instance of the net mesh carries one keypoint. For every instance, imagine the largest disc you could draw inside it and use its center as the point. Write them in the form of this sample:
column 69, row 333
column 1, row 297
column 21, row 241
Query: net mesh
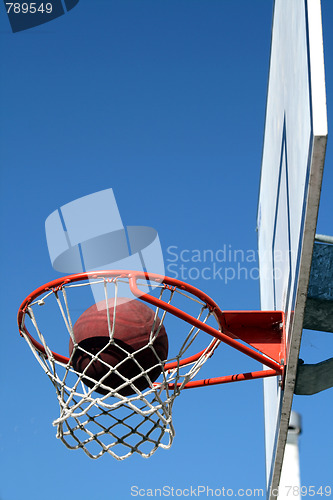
column 119, row 418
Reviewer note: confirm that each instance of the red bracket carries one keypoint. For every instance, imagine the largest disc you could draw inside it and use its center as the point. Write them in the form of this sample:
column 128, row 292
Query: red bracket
column 264, row 331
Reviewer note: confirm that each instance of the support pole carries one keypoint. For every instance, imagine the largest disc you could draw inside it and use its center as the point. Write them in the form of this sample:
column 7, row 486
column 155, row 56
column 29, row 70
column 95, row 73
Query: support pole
column 290, row 481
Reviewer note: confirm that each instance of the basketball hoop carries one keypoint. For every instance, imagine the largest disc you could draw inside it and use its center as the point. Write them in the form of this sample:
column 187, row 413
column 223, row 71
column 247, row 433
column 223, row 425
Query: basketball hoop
column 100, row 419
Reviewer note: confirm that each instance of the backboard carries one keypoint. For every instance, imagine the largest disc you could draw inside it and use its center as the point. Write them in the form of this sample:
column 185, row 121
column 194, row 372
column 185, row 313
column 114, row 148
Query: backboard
column 291, row 174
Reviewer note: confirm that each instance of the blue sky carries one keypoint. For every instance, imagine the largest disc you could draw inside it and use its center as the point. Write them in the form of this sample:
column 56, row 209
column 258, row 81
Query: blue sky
column 165, row 103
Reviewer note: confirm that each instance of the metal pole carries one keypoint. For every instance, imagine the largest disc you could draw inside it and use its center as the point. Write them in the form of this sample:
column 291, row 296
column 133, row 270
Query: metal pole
column 322, row 238
column 290, row 481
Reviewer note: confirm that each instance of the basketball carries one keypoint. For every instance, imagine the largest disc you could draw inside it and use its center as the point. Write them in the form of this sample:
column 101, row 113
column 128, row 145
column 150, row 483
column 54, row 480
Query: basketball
column 134, row 321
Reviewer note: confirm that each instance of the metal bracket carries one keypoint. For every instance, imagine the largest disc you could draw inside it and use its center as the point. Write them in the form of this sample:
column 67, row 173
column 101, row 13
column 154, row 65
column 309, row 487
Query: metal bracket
column 319, row 304
column 264, row 331
column 315, row 378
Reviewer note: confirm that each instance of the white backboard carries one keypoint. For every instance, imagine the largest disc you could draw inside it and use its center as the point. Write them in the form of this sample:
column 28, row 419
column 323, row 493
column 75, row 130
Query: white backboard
column 292, row 165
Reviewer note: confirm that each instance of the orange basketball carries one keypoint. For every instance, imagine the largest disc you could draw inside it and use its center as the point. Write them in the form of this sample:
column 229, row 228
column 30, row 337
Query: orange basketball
column 134, row 321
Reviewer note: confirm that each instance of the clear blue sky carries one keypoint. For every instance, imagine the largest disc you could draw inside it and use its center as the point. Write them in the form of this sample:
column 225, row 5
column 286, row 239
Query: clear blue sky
column 164, row 101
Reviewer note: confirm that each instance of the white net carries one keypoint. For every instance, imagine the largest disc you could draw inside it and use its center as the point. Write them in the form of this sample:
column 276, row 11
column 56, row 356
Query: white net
column 125, row 406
